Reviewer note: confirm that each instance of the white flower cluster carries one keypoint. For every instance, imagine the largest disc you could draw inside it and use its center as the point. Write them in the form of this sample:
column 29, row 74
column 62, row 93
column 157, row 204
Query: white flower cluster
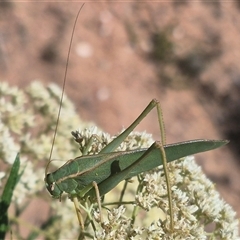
column 117, row 225
column 91, row 140
column 136, row 140
column 27, row 123
column 196, row 203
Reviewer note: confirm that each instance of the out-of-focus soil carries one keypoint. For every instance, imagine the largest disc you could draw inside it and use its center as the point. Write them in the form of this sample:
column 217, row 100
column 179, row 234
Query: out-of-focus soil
column 113, row 72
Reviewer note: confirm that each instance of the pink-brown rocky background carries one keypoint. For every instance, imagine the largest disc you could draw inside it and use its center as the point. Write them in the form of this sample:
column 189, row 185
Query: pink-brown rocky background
column 196, row 79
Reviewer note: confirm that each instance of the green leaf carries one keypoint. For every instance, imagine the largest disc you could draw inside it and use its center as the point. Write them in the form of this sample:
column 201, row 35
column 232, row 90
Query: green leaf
column 7, row 194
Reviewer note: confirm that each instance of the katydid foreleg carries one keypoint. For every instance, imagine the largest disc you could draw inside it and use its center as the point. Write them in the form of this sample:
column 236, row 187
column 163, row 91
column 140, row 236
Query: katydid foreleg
column 78, row 212
column 78, row 205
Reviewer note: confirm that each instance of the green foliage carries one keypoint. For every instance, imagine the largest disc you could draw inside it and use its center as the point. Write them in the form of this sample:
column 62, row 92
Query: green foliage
column 6, row 197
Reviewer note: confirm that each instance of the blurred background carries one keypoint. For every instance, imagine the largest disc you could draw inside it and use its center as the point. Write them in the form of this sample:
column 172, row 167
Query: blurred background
column 184, row 54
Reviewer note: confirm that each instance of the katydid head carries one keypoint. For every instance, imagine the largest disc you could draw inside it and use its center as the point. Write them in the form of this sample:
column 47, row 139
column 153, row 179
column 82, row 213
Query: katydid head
column 52, row 187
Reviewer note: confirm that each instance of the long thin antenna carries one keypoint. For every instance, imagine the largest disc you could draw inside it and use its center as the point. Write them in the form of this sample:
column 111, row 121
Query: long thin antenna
column 63, row 87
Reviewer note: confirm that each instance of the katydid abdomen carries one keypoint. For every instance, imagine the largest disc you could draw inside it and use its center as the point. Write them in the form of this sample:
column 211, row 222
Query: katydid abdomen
column 80, row 172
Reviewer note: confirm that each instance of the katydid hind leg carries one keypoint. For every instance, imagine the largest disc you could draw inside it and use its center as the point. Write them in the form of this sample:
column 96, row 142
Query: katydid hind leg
column 117, row 141
column 164, row 161
column 79, row 214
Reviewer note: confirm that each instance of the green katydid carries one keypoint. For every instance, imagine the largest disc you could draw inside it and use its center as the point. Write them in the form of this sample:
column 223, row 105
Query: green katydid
column 108, row 168
column 92, row 176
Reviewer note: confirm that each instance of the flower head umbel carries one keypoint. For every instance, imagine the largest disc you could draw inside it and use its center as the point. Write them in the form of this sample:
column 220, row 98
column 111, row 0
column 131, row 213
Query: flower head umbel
column 136, row 209
column 196, row 203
